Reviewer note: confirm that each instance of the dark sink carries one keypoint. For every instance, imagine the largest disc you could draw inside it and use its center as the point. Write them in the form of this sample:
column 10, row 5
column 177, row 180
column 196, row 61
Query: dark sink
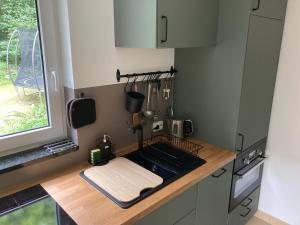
column 166, row 161
column 146, row 162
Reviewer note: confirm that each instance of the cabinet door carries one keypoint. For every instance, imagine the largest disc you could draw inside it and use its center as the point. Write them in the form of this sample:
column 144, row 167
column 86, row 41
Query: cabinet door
column 173, row 211
column 135, row 23
column 189, row 219
column 242, row 213
column 260, row 70
column 269, row 8
column 189, row 23
column 213, row 198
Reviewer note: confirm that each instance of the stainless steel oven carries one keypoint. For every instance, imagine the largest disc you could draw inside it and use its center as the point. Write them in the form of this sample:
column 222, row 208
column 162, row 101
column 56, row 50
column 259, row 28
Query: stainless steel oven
column 247, row 173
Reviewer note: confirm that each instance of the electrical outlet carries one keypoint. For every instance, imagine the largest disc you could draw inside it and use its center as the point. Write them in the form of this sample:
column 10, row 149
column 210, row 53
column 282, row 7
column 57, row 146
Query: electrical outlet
column 157, row 126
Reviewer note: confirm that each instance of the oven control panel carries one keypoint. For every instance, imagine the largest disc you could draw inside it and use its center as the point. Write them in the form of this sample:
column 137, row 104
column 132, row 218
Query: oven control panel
column 249, row 155
column 252, row 155
column 247, row 161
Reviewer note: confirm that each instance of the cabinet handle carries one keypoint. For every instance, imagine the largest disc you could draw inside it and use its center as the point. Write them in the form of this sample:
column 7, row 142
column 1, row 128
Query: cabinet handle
column 246, row 205
column 257, row 7
column 166, row 37
column 216, row 176
column 247, row 213
column 242, row 144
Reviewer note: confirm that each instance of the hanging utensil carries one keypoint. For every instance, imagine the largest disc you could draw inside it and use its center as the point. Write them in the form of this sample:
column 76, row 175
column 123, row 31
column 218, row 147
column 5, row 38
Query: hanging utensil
column 170, row 110
column 148, row 113
column 166, row 90
column 134, row 86
column 156, row 91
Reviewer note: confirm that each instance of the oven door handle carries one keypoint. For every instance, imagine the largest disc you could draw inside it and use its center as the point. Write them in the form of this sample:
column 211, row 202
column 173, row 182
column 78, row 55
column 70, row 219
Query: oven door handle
column 241, row 175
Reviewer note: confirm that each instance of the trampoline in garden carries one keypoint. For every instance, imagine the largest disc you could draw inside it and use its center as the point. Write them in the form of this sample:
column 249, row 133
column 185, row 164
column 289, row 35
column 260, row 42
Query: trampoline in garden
column 24, row 54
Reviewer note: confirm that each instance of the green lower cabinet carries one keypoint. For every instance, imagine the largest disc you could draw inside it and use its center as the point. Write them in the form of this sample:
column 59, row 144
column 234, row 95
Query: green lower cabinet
column 242, row 213
column 203, row 204
column 213, row 198
column 189, row 219
column 179, row 211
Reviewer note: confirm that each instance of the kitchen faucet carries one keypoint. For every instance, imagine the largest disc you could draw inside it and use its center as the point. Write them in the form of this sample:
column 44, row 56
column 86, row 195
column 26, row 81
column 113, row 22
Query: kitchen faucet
column 140, row 132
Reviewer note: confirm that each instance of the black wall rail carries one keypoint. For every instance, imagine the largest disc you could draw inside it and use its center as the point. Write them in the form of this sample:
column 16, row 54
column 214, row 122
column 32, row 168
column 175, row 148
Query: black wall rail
column 172, row 72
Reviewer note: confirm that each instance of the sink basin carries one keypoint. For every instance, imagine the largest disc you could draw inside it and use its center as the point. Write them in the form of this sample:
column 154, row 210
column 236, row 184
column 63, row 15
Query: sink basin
column 141, row 159
column 166, row 161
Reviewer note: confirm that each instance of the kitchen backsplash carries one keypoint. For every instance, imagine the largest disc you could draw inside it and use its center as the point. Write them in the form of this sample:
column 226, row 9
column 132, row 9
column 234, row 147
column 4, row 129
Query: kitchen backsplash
column 112, row 117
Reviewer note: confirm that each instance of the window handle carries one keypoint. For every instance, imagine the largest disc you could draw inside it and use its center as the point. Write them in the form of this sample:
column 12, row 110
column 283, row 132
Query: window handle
column 54, row 77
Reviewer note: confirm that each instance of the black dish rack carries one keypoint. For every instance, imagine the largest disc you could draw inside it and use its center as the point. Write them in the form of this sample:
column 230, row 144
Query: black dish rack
column 172, row 149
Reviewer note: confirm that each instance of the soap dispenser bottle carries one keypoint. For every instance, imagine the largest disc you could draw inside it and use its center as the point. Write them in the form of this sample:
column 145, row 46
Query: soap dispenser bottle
column 105, row 148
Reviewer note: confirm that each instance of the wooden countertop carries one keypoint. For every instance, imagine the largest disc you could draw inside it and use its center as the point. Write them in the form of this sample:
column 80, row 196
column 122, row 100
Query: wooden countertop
column 86, row 205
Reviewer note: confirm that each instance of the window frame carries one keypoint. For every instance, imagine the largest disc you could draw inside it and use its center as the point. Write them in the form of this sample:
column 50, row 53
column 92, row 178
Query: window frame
column 56, row 129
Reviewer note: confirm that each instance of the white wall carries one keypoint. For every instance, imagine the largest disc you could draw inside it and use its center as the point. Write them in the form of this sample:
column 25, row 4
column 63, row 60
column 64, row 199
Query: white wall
column 94, row 56
column 280, row 194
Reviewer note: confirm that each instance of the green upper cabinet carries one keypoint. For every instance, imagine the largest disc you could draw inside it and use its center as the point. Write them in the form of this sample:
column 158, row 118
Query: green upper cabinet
column 260, row 70
column 165, row 23
column 189, row 23
column 269, row 8
column 228, row 90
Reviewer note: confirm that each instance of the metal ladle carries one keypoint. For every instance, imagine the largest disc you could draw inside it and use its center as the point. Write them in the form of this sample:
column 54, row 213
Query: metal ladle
column 148, row 113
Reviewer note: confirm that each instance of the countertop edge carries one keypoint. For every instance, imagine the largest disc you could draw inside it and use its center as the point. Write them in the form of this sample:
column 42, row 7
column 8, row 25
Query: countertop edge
column 177, row 188
column 218, row 158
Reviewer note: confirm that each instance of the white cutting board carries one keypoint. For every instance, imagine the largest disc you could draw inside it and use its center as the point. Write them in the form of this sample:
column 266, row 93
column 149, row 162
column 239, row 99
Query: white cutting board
column 123, row 179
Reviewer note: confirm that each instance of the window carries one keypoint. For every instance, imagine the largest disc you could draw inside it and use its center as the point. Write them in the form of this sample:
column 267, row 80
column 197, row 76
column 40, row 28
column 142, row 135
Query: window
column 32, row 206
column 42, row 212
column 30, row 91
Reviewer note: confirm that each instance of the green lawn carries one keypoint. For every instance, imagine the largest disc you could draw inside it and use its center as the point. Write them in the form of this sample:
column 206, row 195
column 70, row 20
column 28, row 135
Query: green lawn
column 19, row 113
column 40, row 213
column 3, row 80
